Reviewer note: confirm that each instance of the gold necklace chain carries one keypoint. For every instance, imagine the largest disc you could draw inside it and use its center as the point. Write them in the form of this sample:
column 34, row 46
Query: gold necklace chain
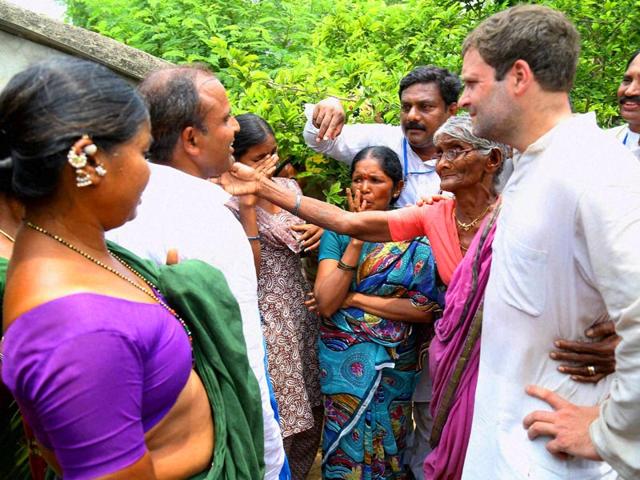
column 7, row 236
column 148, row 292
column 468, row 226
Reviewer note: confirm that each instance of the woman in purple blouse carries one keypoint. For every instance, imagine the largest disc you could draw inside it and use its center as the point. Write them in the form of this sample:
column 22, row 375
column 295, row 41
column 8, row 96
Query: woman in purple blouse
column 99, row 364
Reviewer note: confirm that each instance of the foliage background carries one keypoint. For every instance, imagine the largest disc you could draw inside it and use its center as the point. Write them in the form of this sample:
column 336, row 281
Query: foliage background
column 275, row 55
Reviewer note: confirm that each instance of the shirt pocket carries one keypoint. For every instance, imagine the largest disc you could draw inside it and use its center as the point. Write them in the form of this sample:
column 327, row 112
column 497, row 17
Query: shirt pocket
column 522, row 271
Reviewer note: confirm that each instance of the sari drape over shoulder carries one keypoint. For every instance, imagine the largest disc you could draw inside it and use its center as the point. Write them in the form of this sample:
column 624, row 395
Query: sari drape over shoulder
column 200, row 295
column 454, row 356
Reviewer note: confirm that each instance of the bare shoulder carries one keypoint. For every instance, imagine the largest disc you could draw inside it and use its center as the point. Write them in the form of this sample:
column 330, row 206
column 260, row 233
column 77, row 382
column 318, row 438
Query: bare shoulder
column 35, row 280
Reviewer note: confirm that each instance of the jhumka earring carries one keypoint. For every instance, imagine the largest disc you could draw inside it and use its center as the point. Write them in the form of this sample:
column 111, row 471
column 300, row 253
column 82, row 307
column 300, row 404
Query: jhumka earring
column 79, row 162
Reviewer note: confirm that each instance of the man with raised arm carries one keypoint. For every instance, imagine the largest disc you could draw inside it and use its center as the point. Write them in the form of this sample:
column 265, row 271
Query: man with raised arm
column 428, row 96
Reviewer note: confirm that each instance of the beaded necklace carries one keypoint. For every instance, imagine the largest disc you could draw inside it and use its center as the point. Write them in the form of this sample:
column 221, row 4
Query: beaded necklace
column 147, row 291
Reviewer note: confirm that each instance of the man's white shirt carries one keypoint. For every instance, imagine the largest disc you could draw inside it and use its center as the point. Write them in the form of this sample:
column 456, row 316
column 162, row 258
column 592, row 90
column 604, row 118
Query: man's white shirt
column 629, row 139
column 187, row 213
column 420, row 180
column 566, row 254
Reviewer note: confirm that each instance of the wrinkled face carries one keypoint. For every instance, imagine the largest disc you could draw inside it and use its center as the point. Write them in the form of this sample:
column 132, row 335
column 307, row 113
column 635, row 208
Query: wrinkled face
column 375, row 186
column 259, row 152
column 485, row 98
column 629, row 95
column 127, row 176
column 219, row 130
column 422, row 111
column 460, row 165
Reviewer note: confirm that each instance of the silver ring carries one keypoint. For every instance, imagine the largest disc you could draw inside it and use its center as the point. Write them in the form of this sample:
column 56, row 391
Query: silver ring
column 592, row 370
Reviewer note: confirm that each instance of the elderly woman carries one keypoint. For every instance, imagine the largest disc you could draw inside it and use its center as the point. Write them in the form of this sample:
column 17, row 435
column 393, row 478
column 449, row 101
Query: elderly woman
column 98, row 359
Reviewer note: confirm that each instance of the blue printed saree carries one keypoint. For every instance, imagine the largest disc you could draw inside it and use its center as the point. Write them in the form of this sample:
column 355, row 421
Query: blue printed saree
column 368, row 365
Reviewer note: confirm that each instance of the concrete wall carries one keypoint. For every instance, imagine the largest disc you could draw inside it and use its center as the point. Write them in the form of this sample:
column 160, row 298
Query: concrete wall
column 16, row 53
column 26, row 37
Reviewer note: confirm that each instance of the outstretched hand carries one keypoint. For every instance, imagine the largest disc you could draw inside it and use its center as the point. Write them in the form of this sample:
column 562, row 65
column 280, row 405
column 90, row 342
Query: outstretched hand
column 239, row 180
column 568, row 425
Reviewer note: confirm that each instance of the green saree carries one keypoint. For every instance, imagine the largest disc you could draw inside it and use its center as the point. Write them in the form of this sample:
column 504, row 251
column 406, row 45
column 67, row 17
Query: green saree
column 200, row 295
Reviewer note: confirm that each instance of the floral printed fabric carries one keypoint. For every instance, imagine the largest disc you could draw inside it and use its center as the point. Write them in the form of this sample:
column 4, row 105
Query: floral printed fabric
column 368, row 363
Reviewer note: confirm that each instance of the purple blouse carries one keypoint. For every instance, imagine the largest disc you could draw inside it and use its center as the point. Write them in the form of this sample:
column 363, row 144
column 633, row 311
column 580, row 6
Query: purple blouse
column 93, row 373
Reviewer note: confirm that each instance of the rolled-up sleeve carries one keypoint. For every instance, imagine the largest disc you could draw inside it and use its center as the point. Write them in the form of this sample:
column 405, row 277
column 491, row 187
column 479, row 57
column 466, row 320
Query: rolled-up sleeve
column 351, row 140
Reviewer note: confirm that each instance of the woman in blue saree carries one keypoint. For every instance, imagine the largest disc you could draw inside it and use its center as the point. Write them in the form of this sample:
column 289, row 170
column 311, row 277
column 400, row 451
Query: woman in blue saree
column 371, row 296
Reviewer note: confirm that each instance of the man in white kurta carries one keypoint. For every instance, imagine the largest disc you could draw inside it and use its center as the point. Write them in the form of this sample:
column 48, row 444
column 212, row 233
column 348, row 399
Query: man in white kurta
column 565, row 254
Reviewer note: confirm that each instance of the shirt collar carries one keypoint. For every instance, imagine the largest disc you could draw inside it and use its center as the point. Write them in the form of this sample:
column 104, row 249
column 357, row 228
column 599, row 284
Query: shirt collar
column 632, row 138
column 562, row 128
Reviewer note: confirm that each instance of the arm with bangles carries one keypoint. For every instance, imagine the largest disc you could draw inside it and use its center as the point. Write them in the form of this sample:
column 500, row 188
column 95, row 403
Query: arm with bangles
column 391, row 308
column 247, row 210
column 334, row 280
column 370, row 226
column 335, row 277
column 332, row 291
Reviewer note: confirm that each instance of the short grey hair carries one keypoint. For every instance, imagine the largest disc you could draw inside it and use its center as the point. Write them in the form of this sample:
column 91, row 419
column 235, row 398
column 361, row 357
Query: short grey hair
column 461, row 128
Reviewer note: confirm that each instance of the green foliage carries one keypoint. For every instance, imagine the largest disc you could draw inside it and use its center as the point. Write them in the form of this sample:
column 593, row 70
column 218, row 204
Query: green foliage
column 276, row 55
column 14, row 455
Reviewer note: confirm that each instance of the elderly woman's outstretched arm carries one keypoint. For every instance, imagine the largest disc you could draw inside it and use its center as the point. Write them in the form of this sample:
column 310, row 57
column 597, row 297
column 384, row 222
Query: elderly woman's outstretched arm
column 369, row 226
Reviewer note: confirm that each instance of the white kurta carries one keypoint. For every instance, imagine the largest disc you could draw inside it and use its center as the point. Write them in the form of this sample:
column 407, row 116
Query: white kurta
column 187, row 213
column 566, row 253
column 421, row 180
